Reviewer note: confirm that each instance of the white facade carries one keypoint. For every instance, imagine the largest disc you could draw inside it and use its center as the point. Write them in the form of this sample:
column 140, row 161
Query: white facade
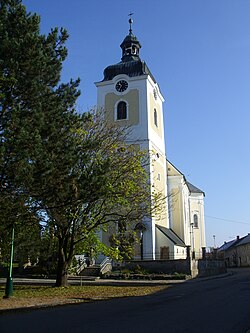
column 186, row 210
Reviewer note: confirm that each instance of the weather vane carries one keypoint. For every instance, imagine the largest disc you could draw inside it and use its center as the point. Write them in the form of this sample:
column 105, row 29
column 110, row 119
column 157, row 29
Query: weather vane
column 130, row 22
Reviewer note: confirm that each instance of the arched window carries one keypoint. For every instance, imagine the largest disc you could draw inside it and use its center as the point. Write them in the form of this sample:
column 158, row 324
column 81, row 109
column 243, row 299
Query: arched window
column 134, row 50
column 155, row 118
column 195, row 221
column 121, row 110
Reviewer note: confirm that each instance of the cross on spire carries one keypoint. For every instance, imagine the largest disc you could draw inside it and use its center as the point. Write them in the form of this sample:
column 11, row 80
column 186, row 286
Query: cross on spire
column 130, row 21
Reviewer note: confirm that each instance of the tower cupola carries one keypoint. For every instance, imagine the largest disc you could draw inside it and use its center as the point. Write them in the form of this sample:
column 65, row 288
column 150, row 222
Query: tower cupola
column 130, row 45
column 131, row 63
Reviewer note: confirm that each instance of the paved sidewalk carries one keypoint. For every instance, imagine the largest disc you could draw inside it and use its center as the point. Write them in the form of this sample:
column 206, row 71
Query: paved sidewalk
column 86, row 280
column 97, row 282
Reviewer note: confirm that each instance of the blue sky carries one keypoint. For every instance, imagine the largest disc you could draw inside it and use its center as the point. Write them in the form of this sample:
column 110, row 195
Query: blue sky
column 199, row 53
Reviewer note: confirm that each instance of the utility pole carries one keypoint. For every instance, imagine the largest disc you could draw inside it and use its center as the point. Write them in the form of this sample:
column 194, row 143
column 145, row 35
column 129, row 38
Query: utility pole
column 214, row 241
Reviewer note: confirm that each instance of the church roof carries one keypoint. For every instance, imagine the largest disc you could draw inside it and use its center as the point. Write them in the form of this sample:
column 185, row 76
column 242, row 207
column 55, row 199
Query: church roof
column 194, row 189
column 171, row 235
column 130, row 68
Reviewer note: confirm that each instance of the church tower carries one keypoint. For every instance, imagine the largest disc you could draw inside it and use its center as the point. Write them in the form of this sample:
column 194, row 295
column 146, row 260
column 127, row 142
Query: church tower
column 130, row 96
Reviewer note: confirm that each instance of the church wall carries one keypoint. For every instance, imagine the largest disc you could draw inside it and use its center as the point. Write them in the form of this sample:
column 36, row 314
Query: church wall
column 177, row 212
column 132, row 99
column 155, row 133
column 186, row 214
column 197, row 207
column 180, row 252
column 149, row 234
column 105, row 237
column 109, row 230
column 172, row 171
column 157, row 147
column 159, row 176
column 136, row 96
column 178, row 204
column 159, row 185
column 149, row 239
column 155, row 106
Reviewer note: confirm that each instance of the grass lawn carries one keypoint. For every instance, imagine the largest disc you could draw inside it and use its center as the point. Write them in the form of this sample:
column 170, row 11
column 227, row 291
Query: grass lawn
column 30, row 296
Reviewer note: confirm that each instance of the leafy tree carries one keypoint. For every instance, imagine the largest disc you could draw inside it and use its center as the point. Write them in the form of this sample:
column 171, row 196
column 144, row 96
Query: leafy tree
column 34, row 106
column 72, row 172
column 101, row 181
column 32, row 102
column 123, row 243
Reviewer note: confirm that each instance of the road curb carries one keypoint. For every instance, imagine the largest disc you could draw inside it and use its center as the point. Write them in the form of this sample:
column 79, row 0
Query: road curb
column 212, row 277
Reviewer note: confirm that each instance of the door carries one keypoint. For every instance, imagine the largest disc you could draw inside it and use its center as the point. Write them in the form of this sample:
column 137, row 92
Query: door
column 164, row 252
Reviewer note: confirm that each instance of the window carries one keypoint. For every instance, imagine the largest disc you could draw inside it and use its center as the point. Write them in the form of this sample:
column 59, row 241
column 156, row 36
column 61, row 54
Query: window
column 195, row 221
column 155, row 118
column 121, row 111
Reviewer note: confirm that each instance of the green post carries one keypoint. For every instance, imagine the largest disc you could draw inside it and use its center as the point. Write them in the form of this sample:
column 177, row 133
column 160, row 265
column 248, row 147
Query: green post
column 9, row 281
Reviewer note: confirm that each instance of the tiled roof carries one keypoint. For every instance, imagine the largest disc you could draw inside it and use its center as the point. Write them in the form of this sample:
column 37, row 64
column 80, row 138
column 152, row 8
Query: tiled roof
column 227, row 245
column 244, row 240
column 232, row 243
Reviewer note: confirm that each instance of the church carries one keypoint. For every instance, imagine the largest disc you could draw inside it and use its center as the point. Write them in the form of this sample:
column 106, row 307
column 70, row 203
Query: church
column 131, row 96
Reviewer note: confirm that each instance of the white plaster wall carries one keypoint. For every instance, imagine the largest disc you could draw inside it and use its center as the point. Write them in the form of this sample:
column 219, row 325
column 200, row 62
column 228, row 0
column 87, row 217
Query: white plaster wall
column 162, row 240
column 196, row 201
column 139, row 132
column 144, row 134
column 180, row 252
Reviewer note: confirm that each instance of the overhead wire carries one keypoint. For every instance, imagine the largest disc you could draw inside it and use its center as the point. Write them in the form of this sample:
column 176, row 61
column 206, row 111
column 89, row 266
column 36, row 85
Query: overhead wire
column 227, row 220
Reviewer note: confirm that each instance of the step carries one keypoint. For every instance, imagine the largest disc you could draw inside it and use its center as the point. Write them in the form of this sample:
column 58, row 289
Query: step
column 90, row 271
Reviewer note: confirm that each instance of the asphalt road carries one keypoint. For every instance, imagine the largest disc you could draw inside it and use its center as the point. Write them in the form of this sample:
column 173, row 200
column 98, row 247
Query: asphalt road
column 220, row 305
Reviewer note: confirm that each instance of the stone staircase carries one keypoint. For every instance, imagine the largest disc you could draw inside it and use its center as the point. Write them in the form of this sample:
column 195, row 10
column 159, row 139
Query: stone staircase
column 91, row 271
column 97, row 269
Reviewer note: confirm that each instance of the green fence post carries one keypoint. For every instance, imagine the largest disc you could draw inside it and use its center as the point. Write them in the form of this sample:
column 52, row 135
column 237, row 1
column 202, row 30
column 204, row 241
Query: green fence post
column 9, row 281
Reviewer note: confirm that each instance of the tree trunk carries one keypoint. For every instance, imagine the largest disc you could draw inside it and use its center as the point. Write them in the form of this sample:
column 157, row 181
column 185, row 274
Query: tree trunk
column 62, row 270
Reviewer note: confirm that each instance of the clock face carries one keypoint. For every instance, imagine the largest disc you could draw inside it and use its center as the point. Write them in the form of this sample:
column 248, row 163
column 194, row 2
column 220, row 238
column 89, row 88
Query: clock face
column 121, row 85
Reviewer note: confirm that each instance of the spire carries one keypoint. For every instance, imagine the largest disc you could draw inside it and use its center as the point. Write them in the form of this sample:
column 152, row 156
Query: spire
column 130, row 45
